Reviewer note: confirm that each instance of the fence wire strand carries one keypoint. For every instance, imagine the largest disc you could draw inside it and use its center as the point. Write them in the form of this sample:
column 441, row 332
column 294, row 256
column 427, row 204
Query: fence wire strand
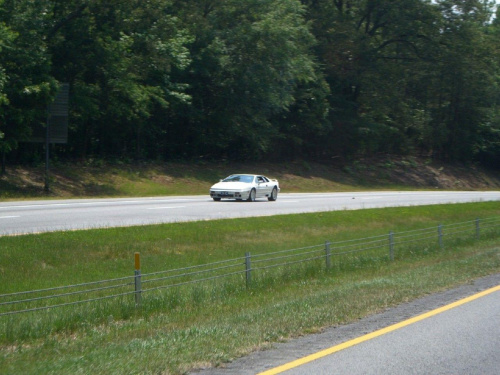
column 288, row 263
column 86, row 291
column 194, row 267
column 287, row 251
column 66, row 304
column 190, row 274
column 194, row 281
column 67, row 286
column 415, row 240
column 357, row 250
column 285, row 257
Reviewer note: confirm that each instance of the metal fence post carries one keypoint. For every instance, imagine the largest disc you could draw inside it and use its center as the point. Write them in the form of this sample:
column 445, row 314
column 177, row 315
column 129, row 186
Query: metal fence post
column 328, row 255
column 248, row 269
column 477, row 229
column 137, row 279
column 440, row 235
column 391, row 245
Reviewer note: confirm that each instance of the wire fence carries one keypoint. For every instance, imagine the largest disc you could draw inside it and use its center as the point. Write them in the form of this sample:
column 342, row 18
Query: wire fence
column 243, row 271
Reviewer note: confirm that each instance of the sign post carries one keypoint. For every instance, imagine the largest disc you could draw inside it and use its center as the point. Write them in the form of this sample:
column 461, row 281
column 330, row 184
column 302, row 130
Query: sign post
column 137, row 280
column 57, row 126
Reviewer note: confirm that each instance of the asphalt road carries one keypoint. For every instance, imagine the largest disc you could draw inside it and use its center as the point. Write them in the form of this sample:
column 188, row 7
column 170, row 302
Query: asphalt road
column 54, row 215
column 461, row 339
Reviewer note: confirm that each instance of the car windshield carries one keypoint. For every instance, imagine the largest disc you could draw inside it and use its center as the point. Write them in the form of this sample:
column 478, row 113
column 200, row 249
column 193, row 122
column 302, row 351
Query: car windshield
column 238, row 178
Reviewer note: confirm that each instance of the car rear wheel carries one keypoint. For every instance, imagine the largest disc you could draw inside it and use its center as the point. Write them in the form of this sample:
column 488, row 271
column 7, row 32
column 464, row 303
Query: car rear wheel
column 274, row 194
column 251, row 196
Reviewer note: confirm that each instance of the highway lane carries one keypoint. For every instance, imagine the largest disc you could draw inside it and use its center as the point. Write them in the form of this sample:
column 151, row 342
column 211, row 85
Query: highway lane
column 461, row 338
column 53, row 215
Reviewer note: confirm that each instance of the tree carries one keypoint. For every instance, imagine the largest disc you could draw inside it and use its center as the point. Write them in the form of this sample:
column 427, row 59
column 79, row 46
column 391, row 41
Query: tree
column 25, row 64
column 404, row 76
column 118, row 57
column 488, row 145
column 248, row 60
column 463, row 86
column 320, row 79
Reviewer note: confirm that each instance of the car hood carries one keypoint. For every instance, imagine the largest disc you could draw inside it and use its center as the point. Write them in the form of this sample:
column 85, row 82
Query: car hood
column 231, row 185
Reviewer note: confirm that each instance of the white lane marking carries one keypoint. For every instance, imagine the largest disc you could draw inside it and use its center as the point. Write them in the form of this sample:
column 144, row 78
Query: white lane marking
column 44, row 205
column 8, row 217
column 165, row 208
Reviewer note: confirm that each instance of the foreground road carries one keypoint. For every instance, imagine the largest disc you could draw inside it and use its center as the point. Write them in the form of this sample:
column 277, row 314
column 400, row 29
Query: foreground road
column 461, row 340
column 54, row 215
column 453, row 332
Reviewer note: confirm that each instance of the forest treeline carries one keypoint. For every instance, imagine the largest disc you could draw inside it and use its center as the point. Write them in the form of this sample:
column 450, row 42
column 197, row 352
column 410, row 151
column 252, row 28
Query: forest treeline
column 253, row 79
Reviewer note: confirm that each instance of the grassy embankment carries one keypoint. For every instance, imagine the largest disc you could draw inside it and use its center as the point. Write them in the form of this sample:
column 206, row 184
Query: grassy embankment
column 216, row 322
column 100, row 179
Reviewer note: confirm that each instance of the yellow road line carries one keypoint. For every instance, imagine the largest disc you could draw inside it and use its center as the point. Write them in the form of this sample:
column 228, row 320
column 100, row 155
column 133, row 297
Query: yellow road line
column 380, row 332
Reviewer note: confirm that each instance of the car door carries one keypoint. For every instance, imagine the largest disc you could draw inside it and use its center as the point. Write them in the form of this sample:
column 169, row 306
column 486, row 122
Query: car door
column 263, row 186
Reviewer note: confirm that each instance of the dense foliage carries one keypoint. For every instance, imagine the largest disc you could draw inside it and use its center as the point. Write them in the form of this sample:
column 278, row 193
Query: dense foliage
column 253, row 79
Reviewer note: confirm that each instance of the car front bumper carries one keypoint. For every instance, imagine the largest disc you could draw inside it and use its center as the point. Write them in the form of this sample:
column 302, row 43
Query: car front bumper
column 229, row 194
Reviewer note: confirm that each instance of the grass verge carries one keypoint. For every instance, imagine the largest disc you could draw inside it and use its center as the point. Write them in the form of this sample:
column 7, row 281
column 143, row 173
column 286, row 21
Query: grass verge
column 99, row 178
column 178, row 331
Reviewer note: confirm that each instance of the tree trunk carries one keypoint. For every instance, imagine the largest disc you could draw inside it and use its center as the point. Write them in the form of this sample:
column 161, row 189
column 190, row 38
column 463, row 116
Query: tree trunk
column 3, row 162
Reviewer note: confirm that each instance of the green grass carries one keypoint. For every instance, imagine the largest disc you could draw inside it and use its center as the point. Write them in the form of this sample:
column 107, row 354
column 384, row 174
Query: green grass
column 208, row 324
column 100, row 178
column 61, row 258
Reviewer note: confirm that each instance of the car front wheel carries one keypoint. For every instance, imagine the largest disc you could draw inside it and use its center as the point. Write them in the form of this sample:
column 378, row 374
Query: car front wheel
column 217, row 199
column 251, row 196
column 274, row 195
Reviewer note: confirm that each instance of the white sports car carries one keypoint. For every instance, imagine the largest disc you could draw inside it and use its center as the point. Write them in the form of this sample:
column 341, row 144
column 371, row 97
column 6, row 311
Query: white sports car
column 245, row 187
